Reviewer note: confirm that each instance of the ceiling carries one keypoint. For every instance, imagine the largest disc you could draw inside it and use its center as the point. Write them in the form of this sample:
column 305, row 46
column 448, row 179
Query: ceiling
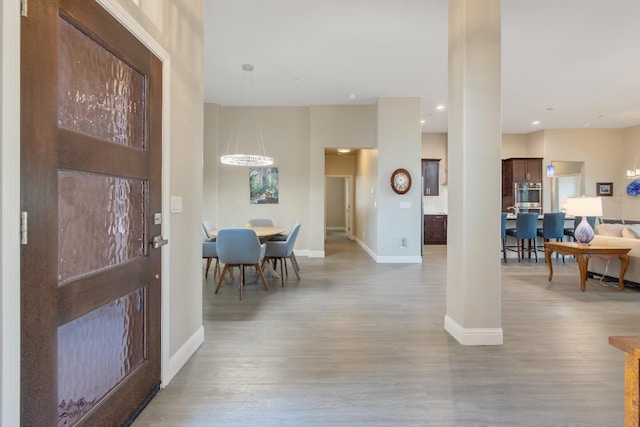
column 565, row 63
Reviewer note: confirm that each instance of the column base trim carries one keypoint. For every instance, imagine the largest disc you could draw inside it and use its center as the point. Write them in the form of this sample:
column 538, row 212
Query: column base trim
column 473, row 336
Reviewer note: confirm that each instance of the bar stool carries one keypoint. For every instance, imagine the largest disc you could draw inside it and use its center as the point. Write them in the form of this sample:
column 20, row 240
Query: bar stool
column 503, row 234
column 526, row 229
column 552, row 227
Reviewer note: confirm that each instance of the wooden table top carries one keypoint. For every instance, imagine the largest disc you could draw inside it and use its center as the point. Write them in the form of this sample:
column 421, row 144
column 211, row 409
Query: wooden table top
column 570, row 248
column 260, row 231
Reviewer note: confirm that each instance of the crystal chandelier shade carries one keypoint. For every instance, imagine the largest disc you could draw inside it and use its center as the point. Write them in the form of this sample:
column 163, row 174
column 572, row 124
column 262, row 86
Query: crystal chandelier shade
column 237, row 158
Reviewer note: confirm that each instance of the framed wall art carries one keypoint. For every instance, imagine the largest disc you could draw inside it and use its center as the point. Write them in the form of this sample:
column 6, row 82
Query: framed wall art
column 263, row 185
column 604, row 188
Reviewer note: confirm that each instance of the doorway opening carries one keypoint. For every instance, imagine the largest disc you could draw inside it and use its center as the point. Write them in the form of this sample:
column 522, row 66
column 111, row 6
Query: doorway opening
column 568, row 181
column 338, row 215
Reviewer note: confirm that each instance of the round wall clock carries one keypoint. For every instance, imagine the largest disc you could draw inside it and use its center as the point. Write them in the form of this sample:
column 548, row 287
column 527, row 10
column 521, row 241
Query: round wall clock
column 401, row 181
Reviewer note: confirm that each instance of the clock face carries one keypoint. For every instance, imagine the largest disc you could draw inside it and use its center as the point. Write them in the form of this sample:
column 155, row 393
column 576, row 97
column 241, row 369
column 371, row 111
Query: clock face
column 401, row 181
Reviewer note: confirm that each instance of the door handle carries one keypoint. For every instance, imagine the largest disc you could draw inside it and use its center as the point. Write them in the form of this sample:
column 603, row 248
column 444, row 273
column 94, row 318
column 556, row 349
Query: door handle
column 158, row 241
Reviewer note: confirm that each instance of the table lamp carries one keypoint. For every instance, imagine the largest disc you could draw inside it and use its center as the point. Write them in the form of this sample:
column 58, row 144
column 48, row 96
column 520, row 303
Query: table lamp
column 584, row 207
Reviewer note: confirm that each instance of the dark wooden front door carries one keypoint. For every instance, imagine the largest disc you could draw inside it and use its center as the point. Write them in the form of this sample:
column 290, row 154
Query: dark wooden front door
column 91, row 182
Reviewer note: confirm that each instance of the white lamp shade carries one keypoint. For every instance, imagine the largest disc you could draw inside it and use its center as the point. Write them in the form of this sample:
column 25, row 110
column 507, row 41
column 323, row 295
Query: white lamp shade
column 584, row 206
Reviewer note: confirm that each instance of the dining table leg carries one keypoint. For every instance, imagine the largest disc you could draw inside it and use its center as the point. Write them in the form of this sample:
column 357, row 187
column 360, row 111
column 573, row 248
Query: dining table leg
column 271, row 270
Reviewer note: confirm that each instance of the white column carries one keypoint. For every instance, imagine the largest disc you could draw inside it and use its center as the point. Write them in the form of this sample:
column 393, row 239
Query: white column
column 475, row 121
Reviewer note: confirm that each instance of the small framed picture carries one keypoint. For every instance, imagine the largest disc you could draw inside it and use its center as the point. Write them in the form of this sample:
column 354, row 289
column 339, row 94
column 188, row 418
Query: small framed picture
column 604, row 188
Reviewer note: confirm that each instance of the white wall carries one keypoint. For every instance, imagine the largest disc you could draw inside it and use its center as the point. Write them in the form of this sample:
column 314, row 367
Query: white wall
column 211, row 160
column 366, row 199
column 399, row 146
column 286, row 133
column 335, row 203
column 333, row 126
column 514, row 145
column 603, row 154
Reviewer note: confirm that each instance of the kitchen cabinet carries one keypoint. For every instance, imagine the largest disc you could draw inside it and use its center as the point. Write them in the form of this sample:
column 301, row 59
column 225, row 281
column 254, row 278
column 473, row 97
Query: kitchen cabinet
column 431, row 177
column 522, row 169
column 435, row 229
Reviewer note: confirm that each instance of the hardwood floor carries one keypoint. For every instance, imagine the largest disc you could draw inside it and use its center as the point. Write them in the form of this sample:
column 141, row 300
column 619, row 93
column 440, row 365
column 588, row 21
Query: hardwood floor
column 355, row 343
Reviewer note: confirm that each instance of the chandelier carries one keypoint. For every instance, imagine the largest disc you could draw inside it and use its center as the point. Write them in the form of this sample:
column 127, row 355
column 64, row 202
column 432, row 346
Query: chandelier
column 635, row 172
column 240, row 159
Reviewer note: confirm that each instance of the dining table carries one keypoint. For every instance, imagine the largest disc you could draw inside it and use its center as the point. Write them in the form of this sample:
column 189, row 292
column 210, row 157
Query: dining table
column 264, row 234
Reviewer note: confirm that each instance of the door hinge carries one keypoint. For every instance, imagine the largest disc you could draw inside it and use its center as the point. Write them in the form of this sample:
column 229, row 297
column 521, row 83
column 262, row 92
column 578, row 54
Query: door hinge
column 23, row 227
column 23, row 7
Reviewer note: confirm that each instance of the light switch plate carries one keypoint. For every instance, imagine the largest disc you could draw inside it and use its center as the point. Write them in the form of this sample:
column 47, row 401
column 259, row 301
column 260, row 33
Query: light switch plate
column 176, row 204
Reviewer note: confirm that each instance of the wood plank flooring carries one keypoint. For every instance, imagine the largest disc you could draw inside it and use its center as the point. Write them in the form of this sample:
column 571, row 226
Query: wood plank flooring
column 355, row 343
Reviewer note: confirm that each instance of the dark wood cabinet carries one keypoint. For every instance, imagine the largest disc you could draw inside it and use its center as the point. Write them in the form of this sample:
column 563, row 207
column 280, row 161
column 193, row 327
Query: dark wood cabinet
column 524, row 169
column 435, row 229
column 431, row 177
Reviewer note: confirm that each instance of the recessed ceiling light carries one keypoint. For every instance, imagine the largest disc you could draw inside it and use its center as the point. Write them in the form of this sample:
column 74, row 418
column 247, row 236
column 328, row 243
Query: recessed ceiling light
column 352, row 96
column 344, row 150
column 535, row 122
column 440, row 107
column 423, row 121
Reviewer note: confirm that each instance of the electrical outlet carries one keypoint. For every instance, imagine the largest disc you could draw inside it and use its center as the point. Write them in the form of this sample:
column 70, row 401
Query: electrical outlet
column 403, row 242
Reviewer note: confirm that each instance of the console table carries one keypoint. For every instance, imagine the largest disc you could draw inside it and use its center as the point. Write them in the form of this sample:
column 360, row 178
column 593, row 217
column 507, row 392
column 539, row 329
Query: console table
column 631, row 348
column 582, row 254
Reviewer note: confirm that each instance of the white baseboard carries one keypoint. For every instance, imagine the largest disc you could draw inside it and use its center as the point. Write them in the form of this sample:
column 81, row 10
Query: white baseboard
column 399, row 260
column 473, row 336
column 389, row 259
column 366, row 249
column 308, row 253
column 177, row 361
column 337, row 229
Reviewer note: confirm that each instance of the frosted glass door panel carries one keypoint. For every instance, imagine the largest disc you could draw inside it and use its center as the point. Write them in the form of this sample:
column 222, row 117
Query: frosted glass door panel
column 98, row 94
column 96, row 352
column 101, row 222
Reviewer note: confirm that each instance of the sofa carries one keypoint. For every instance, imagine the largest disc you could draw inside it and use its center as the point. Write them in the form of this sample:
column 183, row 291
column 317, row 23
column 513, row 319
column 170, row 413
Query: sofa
column 617, row 234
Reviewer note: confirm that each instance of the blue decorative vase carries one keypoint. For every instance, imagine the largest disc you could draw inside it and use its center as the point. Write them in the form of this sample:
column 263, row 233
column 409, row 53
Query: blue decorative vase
column 583, row 232
column 633, row 189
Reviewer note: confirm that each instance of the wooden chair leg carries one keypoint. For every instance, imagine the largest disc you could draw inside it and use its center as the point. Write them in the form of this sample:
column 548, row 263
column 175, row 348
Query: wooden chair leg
column 224, row 271
column 241, row 285
column 281, row 270
column 206, row 271
column 295, row 270
column 504, row 250
column 294, row 261
column 264, row 282
column 216, row 270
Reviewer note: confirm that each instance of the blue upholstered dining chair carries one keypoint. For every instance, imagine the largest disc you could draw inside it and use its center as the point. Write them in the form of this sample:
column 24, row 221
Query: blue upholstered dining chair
column 261, row 222
column 239, row 247
column 526, row 229
column 552, row 227
column 209, row 249
column 280, row 251
column 503, row 234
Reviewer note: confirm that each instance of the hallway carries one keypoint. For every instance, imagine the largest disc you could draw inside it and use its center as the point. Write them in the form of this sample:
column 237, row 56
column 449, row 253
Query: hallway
column 355, row 343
